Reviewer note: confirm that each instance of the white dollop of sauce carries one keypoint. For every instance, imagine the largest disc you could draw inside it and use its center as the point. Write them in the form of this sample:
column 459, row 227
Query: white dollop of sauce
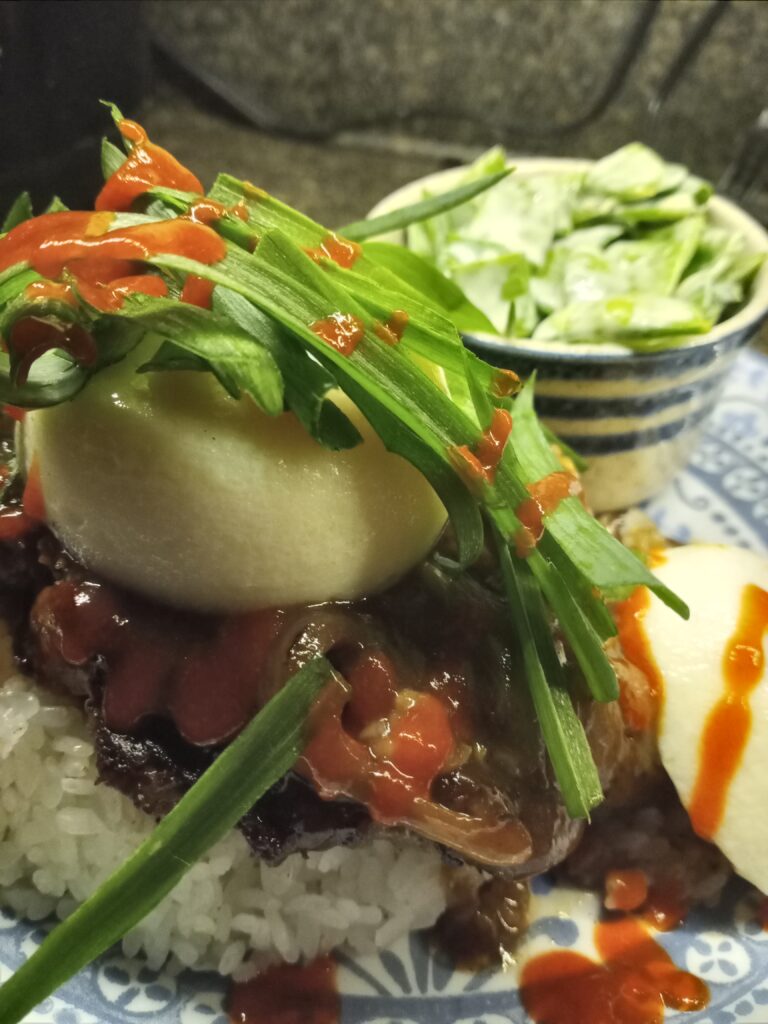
column 717, row 583
column 165, row 484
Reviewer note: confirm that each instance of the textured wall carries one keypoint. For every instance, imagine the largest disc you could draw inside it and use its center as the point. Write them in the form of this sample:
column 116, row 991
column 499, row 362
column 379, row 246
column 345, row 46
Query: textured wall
column 465, row 70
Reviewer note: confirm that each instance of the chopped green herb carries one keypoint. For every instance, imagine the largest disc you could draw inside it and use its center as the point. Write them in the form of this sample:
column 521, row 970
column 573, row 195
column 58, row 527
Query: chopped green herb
column 21, row 210
column 563, row 732
column 422, row 210
column 259, row 757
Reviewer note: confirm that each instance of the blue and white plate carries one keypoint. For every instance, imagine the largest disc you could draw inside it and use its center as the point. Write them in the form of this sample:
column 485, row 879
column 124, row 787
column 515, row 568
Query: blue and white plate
column 722, row 496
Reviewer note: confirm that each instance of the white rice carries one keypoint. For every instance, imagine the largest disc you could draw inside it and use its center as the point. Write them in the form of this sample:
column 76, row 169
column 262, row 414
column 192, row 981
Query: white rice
column 61, row 834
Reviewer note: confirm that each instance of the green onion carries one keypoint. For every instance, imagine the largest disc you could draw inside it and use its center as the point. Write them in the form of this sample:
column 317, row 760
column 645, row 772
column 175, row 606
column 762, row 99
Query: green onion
column 422, row 210
column 597, row 554
column 259, row 757
column 235, row 358
column 390, row 267
column 56, row 205
column 284, row 283
column 112, row 158
column 14, row 280
column 307, row 382
column 563, row 732
column 52, row 380
column 398, row 274
column 585, row 641
column 44, row 308
column 419, row 273
column 21, row 210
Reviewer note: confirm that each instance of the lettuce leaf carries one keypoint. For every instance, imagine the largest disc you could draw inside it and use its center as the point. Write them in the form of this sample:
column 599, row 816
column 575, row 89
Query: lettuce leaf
column 624, row 236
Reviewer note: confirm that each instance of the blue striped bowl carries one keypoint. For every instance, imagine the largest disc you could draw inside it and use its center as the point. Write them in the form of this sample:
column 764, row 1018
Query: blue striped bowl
column 635, row 417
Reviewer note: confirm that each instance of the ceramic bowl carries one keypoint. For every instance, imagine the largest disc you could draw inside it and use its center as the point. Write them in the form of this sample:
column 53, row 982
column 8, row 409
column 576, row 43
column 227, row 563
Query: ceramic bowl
column 635, row 417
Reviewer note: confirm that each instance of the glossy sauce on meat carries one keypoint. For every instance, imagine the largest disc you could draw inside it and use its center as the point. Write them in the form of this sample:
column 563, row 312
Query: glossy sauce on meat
column 452, row 730
column 479, row 465
column 204, row 673
column 146, row 165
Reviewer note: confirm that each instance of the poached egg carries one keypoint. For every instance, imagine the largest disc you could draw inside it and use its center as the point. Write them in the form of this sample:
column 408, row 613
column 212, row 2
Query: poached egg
column 166, row 485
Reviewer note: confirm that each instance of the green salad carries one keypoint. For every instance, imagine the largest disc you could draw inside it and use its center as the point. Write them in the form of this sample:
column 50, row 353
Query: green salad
column 624, row 251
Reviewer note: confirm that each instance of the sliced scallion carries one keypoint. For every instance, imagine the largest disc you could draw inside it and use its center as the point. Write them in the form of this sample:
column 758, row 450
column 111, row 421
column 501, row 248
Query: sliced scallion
column 20, row 210
column 259, row 757
column 563, row 732
column 421, row 210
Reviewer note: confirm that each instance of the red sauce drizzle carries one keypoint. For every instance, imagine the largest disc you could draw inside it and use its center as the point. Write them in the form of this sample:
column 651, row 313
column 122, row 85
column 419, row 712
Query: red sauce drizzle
column 729, row 723
column 629, row 616
column 481, row 464
column 386, row 747
column 490, row 447
column 288, row 994
column 147, row 165
column 531, row 527
column 162, row 661
column 51, row 290
column 340, row 250
column 377, row 742
column 104, row 263
column 546, row 495
column 625, row 890
column 665, row 909
column 110, row 297
column 505, row 383
column 341, row 331
column 241, row 211
column 393, row 330
column 107, row 264
column 660, row 905
column 633, row 984
column 57, row 240
column 197, row 291
column 15, row 413
column 207, row 211
column 552, row 489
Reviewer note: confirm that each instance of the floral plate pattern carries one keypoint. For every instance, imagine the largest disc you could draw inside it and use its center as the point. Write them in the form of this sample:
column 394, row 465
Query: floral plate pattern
column 722, row 496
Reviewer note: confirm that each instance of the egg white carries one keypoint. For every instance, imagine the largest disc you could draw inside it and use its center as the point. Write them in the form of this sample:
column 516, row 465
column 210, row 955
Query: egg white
column 165, row 484
column 689, row 655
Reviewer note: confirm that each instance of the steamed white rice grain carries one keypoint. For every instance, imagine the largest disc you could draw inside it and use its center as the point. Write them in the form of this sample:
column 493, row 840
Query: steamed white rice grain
column 61, row 835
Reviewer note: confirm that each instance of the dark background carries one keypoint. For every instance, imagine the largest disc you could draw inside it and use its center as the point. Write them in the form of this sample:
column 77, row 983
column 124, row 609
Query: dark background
column 332, row 103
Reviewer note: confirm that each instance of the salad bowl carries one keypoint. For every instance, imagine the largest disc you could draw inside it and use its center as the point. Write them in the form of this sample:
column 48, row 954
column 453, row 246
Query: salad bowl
column 635, row 416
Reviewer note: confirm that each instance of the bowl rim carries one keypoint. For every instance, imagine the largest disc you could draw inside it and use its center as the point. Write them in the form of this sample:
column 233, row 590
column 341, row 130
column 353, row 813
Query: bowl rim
column 746, row 321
